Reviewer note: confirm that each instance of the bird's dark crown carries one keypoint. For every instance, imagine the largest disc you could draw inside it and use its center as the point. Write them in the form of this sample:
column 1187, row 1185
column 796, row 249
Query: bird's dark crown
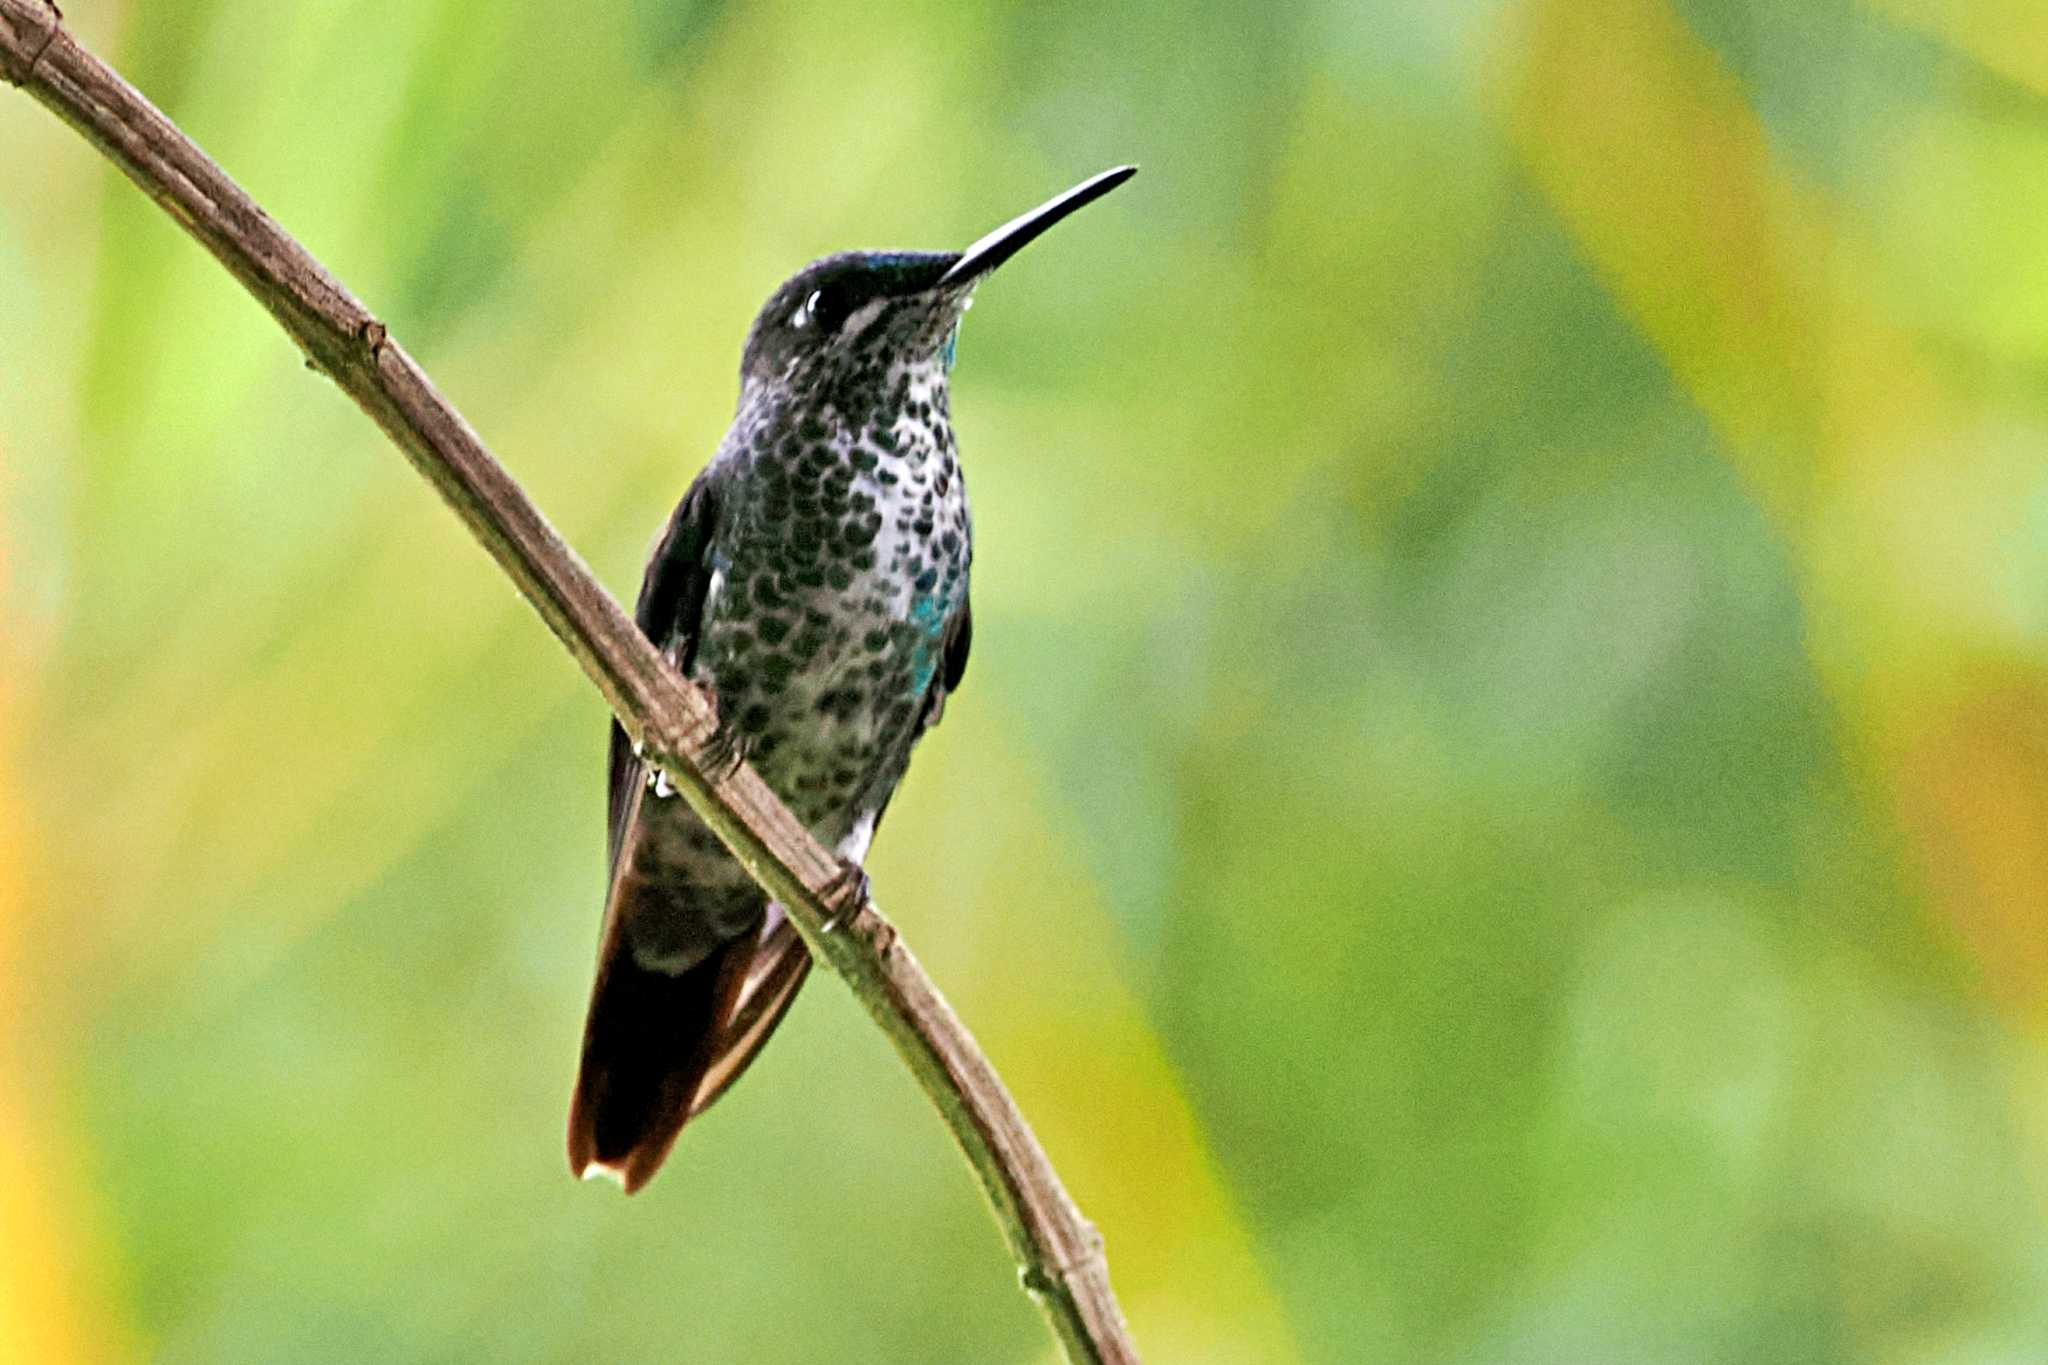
column 824, row 311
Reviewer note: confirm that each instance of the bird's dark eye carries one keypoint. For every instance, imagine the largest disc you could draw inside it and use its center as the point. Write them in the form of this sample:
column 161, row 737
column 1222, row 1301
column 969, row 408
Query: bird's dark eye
column 821, row 311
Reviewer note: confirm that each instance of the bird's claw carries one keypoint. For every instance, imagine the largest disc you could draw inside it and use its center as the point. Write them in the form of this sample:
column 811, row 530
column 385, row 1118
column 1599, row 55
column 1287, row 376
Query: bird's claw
column 726, row 749
column 845, row 894
column 724, row 752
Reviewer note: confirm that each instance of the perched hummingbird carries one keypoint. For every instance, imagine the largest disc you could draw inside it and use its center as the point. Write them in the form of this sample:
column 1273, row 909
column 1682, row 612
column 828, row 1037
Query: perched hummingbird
column 814, row 581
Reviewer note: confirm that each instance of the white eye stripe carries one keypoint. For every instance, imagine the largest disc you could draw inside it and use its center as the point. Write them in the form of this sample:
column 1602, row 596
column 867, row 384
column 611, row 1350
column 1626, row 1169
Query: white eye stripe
column 863, row 318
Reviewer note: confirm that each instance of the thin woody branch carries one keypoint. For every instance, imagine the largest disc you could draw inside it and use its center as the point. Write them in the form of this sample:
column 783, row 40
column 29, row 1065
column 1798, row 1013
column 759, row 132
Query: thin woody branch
column 1059, row 1253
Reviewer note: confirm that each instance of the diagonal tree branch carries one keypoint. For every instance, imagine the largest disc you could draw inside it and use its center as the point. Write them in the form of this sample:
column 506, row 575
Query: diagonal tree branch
column 1059, row 1253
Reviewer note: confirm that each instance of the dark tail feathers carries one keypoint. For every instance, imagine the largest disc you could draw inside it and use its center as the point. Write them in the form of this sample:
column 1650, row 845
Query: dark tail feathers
column 648, row 1041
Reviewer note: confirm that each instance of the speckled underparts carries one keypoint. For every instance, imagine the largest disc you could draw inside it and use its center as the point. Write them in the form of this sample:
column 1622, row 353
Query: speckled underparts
column 837, row 563
column 814, row 579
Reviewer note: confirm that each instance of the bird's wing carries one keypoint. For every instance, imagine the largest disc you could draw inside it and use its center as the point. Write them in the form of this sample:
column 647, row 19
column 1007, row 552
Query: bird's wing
column 952, row 665
column 669, row 612
column 652, row 1031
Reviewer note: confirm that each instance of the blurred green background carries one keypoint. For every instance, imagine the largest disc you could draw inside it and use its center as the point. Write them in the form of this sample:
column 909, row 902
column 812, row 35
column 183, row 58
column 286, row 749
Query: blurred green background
column 1500, row 813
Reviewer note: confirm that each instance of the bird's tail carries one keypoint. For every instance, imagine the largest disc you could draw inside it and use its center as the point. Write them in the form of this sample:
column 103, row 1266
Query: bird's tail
column 658, row 1048
column 645, row 1047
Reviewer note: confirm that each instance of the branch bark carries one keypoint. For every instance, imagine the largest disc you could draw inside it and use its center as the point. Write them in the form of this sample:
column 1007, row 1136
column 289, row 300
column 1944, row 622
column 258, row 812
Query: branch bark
column 1059, row 1253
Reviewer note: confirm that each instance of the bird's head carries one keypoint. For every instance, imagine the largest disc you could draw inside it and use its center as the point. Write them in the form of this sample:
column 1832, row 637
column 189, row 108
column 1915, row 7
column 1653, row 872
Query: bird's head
column 851, row 319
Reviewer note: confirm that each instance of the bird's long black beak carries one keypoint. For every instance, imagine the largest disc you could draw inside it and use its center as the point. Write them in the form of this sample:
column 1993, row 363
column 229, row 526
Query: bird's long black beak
column 1012, row 237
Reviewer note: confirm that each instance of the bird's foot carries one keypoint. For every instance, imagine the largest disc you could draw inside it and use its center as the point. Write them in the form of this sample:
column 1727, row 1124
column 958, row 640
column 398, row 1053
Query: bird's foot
column 719, row 758
column 845, row 894
column 726, row 749
column 724, row 752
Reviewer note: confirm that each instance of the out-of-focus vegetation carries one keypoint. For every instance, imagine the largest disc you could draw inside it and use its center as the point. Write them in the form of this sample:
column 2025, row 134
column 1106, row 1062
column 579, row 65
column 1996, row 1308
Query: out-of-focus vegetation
column 1500, row 813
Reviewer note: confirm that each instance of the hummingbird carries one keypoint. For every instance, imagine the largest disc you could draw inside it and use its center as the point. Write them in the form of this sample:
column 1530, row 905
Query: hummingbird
column 813, row 581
